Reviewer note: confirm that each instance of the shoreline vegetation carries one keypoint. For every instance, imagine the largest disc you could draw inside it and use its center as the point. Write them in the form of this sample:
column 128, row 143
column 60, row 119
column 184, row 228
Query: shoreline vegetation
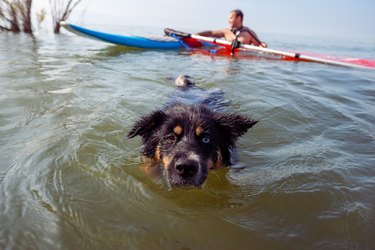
column 16, row 15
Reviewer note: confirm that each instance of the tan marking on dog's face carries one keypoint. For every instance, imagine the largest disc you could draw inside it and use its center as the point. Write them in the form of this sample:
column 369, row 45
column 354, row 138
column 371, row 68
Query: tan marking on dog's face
column 157, row 153
column 147, row 160
column 199, row 131
column 166, row 161
column 219, row 155
column 152, row 169
column 216, row 164
column 178, row 130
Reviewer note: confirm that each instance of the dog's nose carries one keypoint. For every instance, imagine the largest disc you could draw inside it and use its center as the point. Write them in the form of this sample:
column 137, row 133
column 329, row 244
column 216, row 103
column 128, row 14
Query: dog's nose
column 186, row 168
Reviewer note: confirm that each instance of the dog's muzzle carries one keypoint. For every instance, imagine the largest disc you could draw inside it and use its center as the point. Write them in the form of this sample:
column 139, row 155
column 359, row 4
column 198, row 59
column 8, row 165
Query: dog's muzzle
column 186, row 168
column 186, row 171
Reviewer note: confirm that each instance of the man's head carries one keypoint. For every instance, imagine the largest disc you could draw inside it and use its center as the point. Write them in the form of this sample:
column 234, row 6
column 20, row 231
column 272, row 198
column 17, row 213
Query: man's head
column 235, row 19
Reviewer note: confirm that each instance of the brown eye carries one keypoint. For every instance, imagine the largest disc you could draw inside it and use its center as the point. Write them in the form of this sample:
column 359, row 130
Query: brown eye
column 170, row 138
column 205, row 140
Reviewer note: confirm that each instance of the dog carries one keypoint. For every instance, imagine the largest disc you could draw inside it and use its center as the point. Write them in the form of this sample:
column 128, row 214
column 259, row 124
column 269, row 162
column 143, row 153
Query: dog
column 188, row 139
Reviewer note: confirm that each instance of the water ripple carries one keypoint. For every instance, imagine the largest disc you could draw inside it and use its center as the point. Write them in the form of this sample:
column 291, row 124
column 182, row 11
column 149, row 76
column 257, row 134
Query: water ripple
column 69, row 178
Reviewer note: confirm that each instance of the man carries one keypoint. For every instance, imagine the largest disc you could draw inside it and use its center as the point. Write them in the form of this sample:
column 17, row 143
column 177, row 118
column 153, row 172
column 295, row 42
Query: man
column 245, row 36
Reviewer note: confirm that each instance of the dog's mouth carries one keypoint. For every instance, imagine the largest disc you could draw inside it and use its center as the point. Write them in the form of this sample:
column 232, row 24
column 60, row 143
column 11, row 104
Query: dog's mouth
column 186, row 172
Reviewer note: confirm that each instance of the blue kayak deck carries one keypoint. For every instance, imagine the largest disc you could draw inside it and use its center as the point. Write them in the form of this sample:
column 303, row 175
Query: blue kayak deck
column 162, row 42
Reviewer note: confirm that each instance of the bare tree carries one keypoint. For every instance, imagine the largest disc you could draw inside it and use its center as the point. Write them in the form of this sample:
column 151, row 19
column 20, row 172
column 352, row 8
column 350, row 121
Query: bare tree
column 15, row 14
column 8, row 17
column 61, row 10
column 25, row 12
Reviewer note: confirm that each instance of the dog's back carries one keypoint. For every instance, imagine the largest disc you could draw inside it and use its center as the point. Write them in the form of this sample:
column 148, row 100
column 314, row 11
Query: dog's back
column 188, row 92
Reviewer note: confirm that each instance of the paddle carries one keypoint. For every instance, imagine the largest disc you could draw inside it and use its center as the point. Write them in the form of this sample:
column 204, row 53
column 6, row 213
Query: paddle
column 294, row 56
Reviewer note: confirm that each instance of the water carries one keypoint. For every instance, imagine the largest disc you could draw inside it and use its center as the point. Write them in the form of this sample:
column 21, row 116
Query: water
column 70, row 180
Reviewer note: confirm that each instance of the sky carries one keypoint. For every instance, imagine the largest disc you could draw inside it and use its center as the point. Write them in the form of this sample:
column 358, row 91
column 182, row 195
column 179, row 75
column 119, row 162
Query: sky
column 337, row 18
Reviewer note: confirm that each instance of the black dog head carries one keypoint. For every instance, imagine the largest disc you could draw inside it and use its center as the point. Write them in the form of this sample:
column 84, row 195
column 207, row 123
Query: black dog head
column 190, row 140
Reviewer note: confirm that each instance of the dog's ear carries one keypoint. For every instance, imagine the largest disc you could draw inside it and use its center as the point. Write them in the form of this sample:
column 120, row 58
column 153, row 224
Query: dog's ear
column 147, row 124
column 235, row 125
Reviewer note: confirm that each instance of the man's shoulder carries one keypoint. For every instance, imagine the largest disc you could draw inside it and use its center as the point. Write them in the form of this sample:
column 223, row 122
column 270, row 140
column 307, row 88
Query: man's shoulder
column 246, row 29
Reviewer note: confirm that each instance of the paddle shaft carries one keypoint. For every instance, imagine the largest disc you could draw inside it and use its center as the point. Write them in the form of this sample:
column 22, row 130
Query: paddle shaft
column 275, row 52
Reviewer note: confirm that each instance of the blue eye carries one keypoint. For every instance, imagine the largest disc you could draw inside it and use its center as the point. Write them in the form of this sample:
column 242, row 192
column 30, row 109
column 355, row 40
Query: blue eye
column 205, row 140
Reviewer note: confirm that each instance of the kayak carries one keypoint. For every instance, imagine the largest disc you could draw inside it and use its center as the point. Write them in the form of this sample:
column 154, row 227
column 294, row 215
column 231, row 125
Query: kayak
column 143, row 42
column 152, row 42
column 275, row 54
column 212, row 46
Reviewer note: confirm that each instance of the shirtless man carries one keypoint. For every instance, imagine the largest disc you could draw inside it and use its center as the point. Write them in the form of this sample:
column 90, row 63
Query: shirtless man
column 246, row 35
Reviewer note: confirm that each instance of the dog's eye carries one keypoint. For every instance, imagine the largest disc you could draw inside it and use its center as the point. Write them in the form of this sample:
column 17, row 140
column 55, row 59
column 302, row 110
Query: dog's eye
column 170, row 138
column 205, row 140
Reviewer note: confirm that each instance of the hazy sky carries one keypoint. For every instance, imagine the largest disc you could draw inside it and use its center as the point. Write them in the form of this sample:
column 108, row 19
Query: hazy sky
column 340, row 18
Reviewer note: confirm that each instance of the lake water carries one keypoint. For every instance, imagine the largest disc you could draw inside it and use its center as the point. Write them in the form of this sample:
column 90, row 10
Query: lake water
column 70, row 180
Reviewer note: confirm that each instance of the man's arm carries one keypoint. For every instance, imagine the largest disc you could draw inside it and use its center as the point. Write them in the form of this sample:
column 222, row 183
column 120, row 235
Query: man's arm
column 256, row 41
column 251, row 38
column 212, row 33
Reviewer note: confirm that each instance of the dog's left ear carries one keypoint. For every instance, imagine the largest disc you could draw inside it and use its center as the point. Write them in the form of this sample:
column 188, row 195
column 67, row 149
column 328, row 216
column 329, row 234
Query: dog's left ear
column 147, row 124
column 236, row 125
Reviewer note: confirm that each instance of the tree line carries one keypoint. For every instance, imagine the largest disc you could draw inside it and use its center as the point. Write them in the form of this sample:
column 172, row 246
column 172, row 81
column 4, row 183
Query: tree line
column 16, row 16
